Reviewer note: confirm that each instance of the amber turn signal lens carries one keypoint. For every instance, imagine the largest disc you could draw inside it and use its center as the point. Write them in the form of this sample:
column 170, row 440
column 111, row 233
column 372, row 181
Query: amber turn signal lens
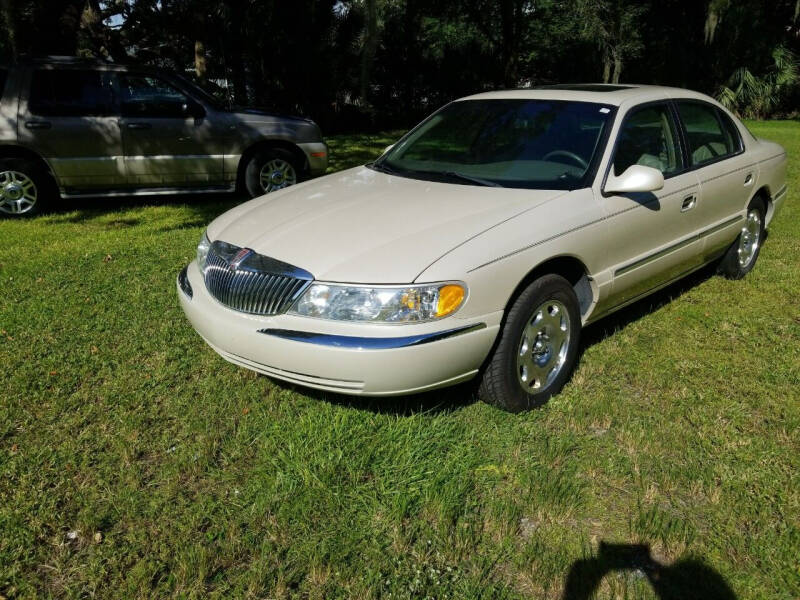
column 450, row 298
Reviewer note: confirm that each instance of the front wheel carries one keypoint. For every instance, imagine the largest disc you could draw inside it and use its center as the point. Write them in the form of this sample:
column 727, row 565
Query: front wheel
column 741, row 257
column 271, row 170
column 536, row 349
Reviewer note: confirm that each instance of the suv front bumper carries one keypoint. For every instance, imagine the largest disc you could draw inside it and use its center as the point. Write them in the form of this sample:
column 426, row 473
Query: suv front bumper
column 317, row 155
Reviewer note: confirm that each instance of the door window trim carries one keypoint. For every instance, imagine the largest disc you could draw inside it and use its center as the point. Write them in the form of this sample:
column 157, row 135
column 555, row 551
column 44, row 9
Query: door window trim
column 681, row 141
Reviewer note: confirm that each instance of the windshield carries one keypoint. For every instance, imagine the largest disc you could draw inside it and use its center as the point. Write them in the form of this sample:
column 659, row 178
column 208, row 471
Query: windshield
column 541, row 144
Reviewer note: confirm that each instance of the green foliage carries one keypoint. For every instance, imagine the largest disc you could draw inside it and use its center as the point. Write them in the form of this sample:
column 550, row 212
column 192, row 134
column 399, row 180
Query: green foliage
column 754, row 96
column 377, row 64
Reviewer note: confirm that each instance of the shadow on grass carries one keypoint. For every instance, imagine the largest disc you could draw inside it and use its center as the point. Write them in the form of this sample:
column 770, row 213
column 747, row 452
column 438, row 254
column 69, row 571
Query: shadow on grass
column 610, row 325
column 203, row 208
column 444, row 400
column 683, row 580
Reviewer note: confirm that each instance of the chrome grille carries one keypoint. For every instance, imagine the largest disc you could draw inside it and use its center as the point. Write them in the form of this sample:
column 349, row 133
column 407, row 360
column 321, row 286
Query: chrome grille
column 251, row 283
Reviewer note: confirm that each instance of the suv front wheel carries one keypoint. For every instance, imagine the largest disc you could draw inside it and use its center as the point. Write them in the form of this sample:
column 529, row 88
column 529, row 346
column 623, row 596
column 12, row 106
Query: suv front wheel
column 271, row 170
column 25, row 188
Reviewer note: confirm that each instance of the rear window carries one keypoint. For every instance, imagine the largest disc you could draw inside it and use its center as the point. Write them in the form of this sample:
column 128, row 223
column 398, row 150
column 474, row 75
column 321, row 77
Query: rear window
column 71, row 93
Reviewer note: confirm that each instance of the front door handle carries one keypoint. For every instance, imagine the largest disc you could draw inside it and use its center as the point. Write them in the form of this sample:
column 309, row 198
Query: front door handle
column 38, row 124
column 688, row 203
column 139, row 125
column 748, row 180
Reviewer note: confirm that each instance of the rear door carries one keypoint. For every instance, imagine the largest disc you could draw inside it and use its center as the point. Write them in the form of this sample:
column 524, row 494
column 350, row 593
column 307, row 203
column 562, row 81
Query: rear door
column 652, row 237
column 69, row 116
column 727, row 175
column 168, row 139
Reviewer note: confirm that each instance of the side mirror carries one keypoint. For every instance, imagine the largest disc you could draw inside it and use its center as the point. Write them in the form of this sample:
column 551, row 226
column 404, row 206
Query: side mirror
column 636, row 178
column 194, row 109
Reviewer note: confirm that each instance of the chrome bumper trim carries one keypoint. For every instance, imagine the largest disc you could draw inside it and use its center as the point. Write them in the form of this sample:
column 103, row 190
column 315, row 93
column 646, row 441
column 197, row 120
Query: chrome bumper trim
column 368, row 343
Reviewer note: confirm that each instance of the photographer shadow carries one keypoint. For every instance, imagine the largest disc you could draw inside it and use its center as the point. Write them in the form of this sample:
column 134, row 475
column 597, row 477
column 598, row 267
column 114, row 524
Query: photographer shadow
column 683, row 580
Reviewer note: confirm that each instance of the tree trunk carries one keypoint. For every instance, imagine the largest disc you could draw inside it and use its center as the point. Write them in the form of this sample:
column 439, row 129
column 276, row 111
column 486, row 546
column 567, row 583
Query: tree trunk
column 617, row 67
column 7, row 11
column 606, row 67
column 200, row 60
column 370, row 45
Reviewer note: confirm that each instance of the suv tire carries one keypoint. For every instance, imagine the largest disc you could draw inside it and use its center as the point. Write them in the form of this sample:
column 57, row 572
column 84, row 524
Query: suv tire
column 26, row 188
column 271, row 170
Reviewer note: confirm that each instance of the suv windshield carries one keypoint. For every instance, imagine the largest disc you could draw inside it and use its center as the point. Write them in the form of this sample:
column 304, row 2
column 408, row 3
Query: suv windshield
column 541, row 144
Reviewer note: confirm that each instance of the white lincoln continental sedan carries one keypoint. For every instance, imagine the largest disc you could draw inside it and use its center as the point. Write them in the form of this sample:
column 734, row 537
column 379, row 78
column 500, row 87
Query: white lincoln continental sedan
column 482, row 241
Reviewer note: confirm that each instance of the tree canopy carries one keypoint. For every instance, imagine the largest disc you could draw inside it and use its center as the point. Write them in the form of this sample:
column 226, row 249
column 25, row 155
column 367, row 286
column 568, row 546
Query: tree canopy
column 361, row 64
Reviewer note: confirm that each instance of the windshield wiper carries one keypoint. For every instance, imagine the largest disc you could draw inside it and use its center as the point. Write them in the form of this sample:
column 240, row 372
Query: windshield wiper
column 471, row 179
column 377, row 166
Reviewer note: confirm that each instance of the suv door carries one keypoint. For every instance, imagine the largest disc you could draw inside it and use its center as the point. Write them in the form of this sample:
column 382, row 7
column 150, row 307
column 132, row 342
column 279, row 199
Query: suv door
column 652, row 236
column 168, row 139
column 727, row 176
column 69, row 117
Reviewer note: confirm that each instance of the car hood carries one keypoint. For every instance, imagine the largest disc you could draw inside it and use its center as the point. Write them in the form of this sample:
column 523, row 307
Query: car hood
column 363, row 226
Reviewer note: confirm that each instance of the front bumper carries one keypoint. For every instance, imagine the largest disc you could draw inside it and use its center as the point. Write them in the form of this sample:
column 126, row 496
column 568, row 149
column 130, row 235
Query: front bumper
column 317, row 155
column 347, row 358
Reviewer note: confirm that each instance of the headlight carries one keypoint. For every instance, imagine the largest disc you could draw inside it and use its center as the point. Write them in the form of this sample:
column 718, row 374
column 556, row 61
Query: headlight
column 202, row 251
column 381, row 304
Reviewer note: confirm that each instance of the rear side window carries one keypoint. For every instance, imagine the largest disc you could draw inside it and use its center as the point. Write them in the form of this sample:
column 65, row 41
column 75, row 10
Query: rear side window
column 3, row 77
column 71, row 93
column 708, row 139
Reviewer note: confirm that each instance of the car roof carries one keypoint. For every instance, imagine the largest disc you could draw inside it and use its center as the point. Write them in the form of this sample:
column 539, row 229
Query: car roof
column 601, row 93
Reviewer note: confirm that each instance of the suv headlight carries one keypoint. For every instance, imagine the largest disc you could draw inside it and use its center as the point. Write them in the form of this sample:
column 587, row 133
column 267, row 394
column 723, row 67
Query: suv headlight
column 378, row 304
column 202, row 251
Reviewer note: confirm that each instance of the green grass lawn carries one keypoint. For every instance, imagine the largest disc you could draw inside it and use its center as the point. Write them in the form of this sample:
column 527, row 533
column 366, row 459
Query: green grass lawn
column 134, row 462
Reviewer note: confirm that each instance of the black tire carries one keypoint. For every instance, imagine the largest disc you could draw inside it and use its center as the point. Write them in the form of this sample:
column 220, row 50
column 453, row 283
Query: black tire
column 501, row 381
column 26, row 188
column 731, row 265
column 252, row 172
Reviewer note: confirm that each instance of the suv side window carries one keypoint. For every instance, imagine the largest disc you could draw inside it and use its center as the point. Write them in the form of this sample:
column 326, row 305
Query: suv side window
column 708, row 140
column 3, row 77
column 649, row 137
column 146, row 96
column 71, row 93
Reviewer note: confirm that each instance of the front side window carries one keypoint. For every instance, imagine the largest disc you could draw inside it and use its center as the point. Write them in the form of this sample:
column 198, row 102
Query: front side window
column 708, row 140
column 649, row 137
column 146, row 96
column 542, row 144
column 70, row 92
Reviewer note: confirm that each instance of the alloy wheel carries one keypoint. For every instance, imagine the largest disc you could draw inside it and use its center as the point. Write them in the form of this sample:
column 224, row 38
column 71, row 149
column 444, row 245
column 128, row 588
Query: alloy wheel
column 18, row 193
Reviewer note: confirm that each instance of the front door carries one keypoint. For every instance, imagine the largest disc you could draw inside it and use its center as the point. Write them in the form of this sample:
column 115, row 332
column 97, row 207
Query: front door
column 168, row 140
column 69, row 117
column 652, row 236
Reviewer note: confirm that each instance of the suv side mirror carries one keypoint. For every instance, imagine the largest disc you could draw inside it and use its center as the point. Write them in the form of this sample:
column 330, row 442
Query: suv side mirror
column 636, row 178
column 194, row 109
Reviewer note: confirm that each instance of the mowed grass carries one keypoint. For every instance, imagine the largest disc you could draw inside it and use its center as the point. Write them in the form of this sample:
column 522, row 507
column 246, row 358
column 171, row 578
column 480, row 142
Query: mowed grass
column 134, row 462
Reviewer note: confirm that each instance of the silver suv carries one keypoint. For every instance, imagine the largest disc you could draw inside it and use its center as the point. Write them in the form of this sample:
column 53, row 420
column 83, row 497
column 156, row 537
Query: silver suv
column 72, row 128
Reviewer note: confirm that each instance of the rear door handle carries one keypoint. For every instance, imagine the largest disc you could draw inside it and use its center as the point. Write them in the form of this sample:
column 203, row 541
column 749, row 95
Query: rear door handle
column 38, row 124
column 688, row 203
column 138, row 126
column 748, row 180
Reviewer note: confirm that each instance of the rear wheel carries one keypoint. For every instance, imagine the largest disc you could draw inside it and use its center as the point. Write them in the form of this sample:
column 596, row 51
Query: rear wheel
column 741, row 257
column 271, row 170
column 25, row 188
column 536, row 350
